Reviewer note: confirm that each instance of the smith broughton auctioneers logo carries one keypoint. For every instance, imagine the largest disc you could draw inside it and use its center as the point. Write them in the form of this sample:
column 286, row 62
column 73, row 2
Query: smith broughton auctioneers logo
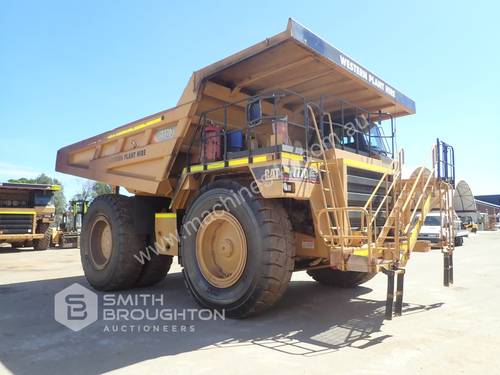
column 76, row 307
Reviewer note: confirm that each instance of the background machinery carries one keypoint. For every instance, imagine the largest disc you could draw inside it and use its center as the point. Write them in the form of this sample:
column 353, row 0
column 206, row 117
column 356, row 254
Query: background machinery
column 27, row 214
column 276, row 159
column 67, row 233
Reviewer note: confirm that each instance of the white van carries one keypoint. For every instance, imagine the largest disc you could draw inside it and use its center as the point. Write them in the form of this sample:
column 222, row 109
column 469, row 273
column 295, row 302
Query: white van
column 433, row 231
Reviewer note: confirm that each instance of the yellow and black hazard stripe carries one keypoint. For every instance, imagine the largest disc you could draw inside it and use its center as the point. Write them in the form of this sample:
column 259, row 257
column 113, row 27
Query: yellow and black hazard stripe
column 240, row 162
column 284, row 156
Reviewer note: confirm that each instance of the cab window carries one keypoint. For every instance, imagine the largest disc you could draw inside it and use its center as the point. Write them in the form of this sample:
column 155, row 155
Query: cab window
column 43, row 198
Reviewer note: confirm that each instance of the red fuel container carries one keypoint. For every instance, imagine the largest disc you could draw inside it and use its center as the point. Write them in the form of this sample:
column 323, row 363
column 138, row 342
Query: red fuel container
column 212, row 144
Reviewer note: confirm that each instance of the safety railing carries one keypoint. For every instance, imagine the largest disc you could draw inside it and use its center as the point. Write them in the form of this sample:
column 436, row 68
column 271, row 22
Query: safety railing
column 390, row 187
column 359, row 129
column 362, row 237
column 445, row 162
column 248, row 125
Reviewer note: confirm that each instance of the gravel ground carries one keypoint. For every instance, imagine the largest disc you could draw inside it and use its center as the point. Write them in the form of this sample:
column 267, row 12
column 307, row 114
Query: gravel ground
column 314, row 329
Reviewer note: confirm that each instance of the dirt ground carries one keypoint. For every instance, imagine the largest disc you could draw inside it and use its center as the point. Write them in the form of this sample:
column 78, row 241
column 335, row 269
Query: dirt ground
column 314, row 329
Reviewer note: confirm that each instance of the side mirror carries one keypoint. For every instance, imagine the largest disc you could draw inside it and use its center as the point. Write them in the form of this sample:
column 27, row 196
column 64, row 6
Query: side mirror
column 254, row 112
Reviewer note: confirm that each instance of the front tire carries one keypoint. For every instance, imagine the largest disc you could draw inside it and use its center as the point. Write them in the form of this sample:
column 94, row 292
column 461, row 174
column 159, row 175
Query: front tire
column 459, row 241
column 237, row 250
column 43, row 243
column 340, row 279
column 110, row 247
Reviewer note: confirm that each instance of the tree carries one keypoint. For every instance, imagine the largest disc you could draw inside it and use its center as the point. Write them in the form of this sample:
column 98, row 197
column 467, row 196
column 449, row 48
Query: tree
column 91, row 190
column 85, row 192
column 100, row 188
column 59, row 198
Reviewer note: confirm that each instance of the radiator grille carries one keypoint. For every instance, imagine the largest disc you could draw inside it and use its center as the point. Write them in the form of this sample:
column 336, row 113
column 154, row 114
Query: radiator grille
column 360, row 186
column 16, row 223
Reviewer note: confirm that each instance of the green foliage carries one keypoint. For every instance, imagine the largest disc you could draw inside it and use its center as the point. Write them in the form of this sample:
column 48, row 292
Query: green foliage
column 100, row 188
column 59, row 198
column 91, row 190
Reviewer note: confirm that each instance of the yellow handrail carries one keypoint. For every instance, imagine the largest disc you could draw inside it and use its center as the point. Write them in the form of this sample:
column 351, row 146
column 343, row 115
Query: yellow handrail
column 419, row 200
column 339, row 227
column 365, row 217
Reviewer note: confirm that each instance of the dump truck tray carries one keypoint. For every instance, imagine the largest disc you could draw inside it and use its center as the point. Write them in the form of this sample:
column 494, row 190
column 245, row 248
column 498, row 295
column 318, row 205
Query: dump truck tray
column 143, row 155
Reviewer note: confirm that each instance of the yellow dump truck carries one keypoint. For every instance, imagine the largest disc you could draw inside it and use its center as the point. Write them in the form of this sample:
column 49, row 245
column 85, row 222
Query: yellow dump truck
column 276, row 159
column 27, row 214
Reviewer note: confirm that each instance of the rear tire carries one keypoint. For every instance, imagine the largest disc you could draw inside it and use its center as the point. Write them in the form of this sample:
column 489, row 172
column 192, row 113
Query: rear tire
column 254, row 229
column 155, row 270
column 340, row 279
column 459, row 241
column 110, row 244
column 43, row 243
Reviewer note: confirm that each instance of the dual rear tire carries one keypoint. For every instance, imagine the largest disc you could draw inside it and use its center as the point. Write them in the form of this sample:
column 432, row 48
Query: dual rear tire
column 113, row 255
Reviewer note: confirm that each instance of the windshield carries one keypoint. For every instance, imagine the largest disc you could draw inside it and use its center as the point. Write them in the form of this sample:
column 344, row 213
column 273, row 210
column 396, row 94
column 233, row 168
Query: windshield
column 432, row 221
column 467, row 220
column 44, row 198
column 375, row 139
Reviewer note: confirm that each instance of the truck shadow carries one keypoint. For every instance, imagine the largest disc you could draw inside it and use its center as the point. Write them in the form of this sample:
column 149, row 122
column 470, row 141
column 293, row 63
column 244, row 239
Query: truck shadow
column 310, row 320
column 10, row 250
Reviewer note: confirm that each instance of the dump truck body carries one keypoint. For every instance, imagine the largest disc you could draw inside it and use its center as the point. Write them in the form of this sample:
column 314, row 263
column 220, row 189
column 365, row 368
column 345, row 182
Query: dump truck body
column 288, row 131
column 143, row 155
column 26, row 212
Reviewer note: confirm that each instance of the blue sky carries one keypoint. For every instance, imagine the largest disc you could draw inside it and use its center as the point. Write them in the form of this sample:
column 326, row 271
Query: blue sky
column 70, row 70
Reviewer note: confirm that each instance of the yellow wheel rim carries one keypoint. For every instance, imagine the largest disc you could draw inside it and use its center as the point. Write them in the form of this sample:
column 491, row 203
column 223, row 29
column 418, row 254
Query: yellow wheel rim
column 221, row 249
column 101, row 242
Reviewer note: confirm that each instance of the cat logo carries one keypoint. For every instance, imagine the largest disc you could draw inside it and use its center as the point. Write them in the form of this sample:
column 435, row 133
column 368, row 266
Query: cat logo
column 272, row 174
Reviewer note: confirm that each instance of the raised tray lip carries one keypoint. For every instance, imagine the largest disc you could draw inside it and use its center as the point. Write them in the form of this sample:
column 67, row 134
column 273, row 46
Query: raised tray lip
column 322, row 49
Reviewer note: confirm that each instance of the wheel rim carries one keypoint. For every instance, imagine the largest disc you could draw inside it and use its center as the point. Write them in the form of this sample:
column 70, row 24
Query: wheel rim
column 221, row 249
column 101, row 243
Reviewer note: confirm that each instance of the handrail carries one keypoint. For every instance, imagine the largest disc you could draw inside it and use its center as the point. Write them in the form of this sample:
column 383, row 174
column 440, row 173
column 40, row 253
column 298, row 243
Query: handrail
column 412, row 191
column 345, row 218
column 334, row 150
column 330, row 187
column 377, row 187
column 389, row 189
column 365, row 218
column 412, row 216
column 393, row 184
column 414, row 187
